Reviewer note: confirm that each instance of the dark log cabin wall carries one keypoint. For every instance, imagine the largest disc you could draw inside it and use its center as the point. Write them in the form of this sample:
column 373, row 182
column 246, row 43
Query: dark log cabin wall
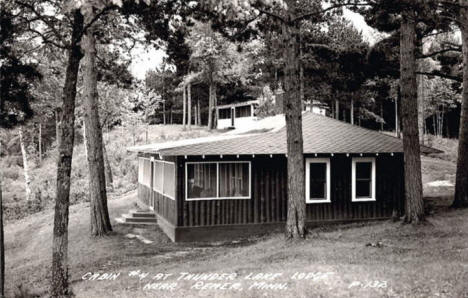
column 268, row 203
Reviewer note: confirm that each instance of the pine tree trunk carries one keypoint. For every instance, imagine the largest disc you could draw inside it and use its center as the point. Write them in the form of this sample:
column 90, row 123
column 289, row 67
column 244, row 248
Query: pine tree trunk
column 100, row 222
column 210, row 106
column 24, row 154
column 332, row 110
column 108, row 168
column 420, row 101
column 442, row 123
column 301, row 73
column 57, row 125
column 213, row 110
column 414, row 212
column 85, row 143
column 337, row 109
column 2, row 245
column 184, row 107
column 40, row 143
column 461, row 181
column 397, row 113
column 295, row 225
column 198, row 113
column 170, row 115
column 301, row 78
column 59, row 277
column 164, row 112
column 146, row 133
column 189, row 106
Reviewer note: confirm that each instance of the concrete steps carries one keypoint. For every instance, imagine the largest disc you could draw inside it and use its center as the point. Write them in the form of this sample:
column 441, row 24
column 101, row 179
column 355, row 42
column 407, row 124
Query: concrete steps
column 138, row 217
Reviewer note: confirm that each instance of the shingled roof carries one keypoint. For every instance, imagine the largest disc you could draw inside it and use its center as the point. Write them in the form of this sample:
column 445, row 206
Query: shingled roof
column 321, row 135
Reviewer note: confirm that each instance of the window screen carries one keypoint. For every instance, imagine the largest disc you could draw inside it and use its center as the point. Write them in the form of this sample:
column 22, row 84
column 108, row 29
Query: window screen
column 158, row 177
column 140, row 170
column 169, row 179
column 144, row 171
column 234, row 180
column 318, row 181
column 201, row 180
column 363, row 179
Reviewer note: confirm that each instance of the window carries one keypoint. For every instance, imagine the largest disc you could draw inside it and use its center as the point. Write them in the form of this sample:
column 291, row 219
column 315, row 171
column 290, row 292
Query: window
column 144, row 171
column 201, row 180
column 164, row 178
column 217, row 180
column 317, row 180
column 363, row 179
column 243, row 111
column 225, row 113
column 234, row 180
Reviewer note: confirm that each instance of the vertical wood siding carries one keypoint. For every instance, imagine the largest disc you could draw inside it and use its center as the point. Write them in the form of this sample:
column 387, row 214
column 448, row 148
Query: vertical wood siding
column 269, row 195
column 389, row 192
column 268, row 203
column 165, row 207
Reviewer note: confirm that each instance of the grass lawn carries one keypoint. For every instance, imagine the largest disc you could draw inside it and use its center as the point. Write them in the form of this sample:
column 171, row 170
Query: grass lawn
column 376, row 259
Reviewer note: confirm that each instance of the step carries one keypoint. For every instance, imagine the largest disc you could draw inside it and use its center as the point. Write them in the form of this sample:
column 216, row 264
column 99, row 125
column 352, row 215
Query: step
column 130, row 218
column 126, row 221
column 148, row 213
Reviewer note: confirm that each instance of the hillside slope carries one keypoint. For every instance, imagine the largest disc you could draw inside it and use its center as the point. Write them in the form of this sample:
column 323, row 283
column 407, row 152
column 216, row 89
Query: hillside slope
column 123, row 164
column 376, row 259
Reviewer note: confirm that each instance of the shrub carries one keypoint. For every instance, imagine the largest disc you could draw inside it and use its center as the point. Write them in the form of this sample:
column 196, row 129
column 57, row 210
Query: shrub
column 11, row 172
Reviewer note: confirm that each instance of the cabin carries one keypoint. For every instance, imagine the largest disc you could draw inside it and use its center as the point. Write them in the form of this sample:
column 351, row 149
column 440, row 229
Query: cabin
column 234, row 185
column 238, row 115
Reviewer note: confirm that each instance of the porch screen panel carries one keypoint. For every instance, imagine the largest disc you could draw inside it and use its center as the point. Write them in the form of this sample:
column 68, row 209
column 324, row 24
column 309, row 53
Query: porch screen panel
column 146, row 175
column 201, row 180
column 140, row 169
column 158, row 177
column 234, row 180
column 169, row 179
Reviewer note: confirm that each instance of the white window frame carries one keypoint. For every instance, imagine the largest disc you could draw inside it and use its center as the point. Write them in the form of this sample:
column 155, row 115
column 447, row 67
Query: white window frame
column 353, row 182
column 327, row 198
column 217, row 181
column 162, row 190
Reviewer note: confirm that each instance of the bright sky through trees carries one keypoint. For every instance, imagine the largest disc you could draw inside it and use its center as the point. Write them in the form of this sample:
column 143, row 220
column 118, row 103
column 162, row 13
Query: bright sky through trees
column 144, row 59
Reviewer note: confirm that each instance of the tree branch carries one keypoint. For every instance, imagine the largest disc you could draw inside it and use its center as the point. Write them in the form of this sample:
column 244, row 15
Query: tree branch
column 441, row 75
column 439, row 52
column 46, row 21
column 45, row 38
column 320, row 12
column 94, row 19
column 273, row 15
